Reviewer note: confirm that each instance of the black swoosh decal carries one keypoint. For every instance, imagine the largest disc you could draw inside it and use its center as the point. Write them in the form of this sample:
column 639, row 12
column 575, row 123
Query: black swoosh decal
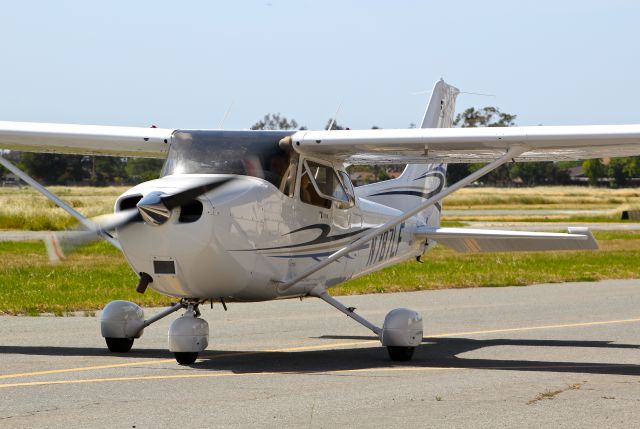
column 324, row 237
column 430, row 173
column 412, row 193
column 428, row 195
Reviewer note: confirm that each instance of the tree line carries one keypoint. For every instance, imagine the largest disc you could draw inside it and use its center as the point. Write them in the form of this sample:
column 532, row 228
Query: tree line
column 59, row 169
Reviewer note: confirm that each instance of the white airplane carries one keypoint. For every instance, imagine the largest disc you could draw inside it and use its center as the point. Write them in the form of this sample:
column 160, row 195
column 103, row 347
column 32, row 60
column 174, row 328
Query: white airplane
column 263, row 215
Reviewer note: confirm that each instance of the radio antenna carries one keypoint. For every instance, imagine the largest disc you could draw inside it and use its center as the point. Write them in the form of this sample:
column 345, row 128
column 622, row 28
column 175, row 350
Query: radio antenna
column 226, row 114
column 333, row 120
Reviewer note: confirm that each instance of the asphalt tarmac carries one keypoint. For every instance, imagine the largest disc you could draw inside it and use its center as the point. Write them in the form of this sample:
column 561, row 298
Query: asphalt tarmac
column 565, row 355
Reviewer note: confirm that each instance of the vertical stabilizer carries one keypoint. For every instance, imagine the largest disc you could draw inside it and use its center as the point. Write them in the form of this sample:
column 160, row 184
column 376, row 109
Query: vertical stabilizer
column 442, row 106
column 419, row 181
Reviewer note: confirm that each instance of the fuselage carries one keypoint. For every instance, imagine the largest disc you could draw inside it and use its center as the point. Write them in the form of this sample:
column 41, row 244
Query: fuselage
column 250, row 237
column 279, row 215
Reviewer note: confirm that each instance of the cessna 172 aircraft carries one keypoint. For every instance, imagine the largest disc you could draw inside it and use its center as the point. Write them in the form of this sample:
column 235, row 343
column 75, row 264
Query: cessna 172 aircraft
column 262, row 215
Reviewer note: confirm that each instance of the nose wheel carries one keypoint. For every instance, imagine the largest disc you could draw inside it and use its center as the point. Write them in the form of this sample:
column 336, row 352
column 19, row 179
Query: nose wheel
column 188, row 336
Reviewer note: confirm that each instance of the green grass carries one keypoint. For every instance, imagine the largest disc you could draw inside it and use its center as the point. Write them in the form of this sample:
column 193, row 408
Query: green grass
column 443, row 268
column 98, row 274
column 86, row 281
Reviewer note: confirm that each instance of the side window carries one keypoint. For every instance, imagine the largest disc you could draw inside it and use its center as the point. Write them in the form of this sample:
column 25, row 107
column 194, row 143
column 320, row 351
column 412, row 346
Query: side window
column 319, row 185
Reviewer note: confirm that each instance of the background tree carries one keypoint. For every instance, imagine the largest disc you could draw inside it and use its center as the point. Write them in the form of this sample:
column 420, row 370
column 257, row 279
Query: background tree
column 486, row 117
column 273, row 121
column 620, row 170
column 616, row 172
column 540, row 173
column 595, row 170
column 106, row 170
column 53, row 168
column 143, row 169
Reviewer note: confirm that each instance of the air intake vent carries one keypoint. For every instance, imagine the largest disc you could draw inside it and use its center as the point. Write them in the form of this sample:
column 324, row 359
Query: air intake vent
column 130, row 203
column 190, row 212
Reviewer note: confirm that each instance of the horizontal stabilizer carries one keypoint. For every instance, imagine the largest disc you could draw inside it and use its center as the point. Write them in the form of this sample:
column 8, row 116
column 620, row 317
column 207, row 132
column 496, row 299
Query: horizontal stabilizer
column 487, row 240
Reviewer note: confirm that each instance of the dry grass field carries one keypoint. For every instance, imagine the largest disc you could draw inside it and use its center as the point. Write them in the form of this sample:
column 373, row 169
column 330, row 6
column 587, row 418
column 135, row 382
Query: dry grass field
column 25, row 209
column 545, row 197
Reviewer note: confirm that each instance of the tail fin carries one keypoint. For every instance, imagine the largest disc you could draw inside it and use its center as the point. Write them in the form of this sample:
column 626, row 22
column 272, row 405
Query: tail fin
column 419, row 181
column 442, row 106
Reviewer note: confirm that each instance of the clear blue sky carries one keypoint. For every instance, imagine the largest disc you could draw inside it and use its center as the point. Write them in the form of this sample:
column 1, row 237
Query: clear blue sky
column 181, row 64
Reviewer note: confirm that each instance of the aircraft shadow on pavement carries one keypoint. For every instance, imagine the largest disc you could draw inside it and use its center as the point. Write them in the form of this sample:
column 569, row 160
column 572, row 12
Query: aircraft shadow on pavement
column 84, row 351
column 433, row 353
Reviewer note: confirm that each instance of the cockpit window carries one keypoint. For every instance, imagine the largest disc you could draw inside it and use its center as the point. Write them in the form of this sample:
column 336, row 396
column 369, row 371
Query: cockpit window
column 247, row 153
column 319, row 185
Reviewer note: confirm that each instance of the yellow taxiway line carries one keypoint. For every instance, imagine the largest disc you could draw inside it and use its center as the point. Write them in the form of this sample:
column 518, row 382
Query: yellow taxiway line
column 288, row 349
column 215, row 375
column 535, row 328
column 269, row 373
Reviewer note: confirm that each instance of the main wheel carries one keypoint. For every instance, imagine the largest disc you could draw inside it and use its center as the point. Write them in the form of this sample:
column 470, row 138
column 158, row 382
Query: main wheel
column 119, row 345
column 400, row 354
column 186, row 358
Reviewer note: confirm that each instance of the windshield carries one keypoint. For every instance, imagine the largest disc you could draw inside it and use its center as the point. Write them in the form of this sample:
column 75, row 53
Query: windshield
column 247, row 153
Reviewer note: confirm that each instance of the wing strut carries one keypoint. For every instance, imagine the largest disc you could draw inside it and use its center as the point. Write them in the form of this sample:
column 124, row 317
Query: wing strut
column 87, row 223
column 392, row 223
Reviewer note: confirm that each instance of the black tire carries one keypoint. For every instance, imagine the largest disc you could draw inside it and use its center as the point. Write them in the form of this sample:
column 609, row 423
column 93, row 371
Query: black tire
column 186, row 358
column 119, row 345
column 400, row 354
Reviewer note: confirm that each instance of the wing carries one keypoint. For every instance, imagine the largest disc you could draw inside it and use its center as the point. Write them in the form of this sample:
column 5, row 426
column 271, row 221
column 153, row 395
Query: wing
column 451, row 145
column 486, row 240
column 85, row 139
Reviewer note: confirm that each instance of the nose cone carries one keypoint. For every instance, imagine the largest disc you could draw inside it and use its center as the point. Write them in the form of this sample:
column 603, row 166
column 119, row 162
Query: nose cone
column 153, row 210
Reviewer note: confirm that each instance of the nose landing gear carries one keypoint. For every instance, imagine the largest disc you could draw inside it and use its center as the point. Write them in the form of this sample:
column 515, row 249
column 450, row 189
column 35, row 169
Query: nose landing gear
column 123, row 321
column 188, row 336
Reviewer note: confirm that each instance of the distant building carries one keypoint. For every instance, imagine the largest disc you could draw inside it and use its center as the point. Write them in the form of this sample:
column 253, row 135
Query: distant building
column 9, row 179
column 576, row 174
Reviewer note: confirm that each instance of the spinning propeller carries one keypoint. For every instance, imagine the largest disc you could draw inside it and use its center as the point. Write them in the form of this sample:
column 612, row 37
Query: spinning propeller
column 155, row 208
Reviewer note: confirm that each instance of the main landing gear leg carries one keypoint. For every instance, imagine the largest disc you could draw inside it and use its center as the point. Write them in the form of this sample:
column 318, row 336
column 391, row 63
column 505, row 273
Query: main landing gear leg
column 400, row 333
